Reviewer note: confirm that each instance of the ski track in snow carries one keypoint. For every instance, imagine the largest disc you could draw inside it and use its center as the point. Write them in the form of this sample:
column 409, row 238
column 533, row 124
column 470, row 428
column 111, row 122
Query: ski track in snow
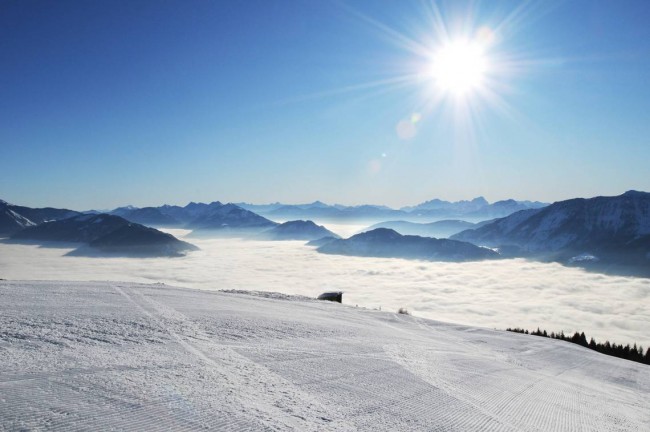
column 97, row 356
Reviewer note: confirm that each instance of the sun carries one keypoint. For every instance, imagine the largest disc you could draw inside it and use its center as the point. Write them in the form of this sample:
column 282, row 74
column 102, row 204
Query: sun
column 458, row 67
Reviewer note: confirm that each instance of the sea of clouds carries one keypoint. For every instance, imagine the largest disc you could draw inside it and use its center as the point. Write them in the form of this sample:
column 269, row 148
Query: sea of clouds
column 490, row 294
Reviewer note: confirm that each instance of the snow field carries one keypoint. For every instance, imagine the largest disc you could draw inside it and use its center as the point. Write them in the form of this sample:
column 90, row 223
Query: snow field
column 91, row 356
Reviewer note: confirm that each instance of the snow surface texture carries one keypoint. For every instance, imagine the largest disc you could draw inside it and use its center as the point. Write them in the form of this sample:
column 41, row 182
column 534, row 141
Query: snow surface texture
column 96, row 356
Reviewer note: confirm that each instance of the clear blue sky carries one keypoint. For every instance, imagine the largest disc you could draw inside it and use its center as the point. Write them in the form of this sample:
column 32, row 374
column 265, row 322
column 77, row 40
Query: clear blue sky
column 105, row 103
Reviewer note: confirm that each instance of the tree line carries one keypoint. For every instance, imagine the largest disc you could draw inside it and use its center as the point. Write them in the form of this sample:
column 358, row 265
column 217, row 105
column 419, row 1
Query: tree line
column 627, row 352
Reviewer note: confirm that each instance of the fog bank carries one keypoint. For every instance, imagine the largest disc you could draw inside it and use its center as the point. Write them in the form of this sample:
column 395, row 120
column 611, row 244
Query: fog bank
column 491, row 294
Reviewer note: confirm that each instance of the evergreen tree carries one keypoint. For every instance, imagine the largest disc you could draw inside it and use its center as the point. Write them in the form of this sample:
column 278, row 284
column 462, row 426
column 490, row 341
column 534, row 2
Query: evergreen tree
column 633, row 353
column 583, row 339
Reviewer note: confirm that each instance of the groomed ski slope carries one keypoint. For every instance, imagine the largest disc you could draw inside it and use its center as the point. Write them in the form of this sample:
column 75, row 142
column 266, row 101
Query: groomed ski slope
column 100, row 356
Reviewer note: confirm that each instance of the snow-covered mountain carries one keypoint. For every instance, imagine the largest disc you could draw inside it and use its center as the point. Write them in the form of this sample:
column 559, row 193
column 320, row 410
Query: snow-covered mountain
column 383, row 242
column 10, row 221
column 14, row 218
column 494, row 233
column 40, row 215
column 297, row 230
column 105, row 233
column 77, row 229
column 608, row 226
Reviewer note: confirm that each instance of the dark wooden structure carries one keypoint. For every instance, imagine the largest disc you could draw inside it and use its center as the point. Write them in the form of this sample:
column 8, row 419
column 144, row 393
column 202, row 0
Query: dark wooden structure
column 335, row 296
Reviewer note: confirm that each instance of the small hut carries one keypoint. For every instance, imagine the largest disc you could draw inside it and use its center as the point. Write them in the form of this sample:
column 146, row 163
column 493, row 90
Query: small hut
column 335, row 296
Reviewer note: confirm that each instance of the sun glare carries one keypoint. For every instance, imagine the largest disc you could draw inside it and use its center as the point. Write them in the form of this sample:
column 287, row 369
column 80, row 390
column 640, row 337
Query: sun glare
column 458, row 67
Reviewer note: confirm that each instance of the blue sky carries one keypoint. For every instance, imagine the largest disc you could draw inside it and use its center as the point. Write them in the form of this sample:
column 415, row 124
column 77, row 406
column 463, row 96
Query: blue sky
column 107, row 103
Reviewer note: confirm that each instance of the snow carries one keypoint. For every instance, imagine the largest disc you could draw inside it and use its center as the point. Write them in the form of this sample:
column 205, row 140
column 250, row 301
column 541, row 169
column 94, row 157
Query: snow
column 99, row 356
column 584, row 257
column 21, row 220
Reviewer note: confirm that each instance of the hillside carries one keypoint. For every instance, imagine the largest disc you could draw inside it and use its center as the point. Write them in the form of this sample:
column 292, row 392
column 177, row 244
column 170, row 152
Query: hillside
column 14, row 218
column 40, row 215
column 384, row 242
column 10, row 221
column 103, row 233
column 138, row 240
column 225, row 217
column 439, row 229
column 297, row 230
column 100, row 356
column 610, row 228
column 77, row 229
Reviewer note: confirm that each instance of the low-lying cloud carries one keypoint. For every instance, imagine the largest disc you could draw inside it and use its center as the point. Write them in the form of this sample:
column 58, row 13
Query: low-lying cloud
column 490, row 294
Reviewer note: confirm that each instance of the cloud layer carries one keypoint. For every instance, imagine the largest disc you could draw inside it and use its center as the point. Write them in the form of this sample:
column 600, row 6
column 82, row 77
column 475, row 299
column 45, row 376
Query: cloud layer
column 490, row 294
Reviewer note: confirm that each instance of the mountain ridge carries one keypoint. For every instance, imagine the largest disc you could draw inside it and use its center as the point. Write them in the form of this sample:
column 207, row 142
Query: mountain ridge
column 388, row 243
column 104, row 233
column 297, row 230
column 613, row 229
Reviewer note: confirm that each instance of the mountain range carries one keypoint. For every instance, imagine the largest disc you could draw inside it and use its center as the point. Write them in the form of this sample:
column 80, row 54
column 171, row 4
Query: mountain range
column 476, row 210
column 603, row 232
column 216, row 216
column 200, row 217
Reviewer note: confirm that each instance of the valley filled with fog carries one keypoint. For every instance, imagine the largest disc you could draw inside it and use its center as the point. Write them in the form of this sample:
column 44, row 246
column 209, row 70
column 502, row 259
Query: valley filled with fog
column 492, row 294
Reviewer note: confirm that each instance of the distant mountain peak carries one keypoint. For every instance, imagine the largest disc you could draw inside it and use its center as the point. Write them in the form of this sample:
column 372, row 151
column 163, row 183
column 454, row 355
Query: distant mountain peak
column 633, row 192
column 318, row 204
column 505, row 202
column 306, row 223
column 298, row 230
column 379, row 234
